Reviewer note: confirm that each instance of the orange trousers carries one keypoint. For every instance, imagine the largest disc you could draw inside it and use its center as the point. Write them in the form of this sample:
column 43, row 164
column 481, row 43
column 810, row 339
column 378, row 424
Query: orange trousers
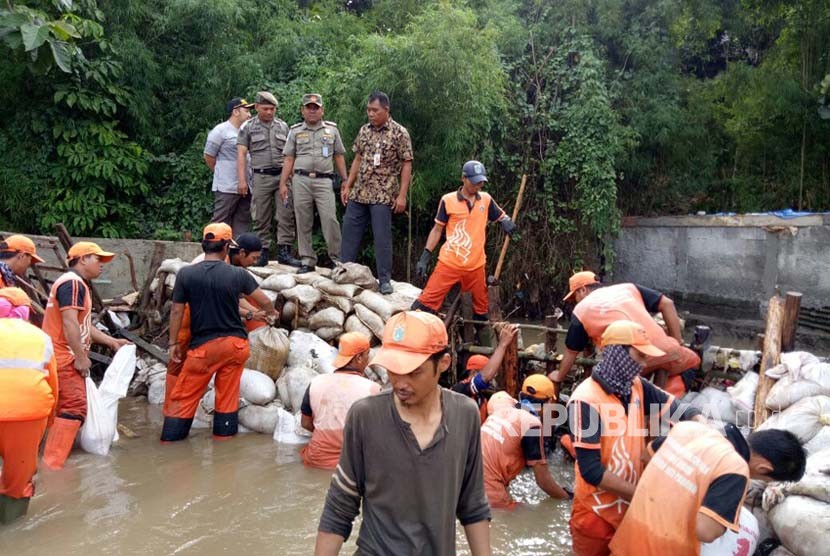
column 444, row 277
column 590, row 534
column 19, row 442
column 71, row 394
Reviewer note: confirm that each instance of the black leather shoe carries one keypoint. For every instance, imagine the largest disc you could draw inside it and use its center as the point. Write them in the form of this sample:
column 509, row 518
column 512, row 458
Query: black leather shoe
column 386, row 288
column 284, row 256
column 305, row 268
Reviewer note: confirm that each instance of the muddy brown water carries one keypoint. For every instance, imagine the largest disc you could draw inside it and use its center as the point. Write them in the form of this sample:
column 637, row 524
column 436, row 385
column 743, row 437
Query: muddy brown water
column 247, row 495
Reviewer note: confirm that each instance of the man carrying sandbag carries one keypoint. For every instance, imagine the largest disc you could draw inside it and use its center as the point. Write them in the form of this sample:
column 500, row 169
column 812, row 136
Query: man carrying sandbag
column 411, row 456
column 28, row 399
column 219, row 342
column 464, row 215
column 329, row 397
column 68, row 321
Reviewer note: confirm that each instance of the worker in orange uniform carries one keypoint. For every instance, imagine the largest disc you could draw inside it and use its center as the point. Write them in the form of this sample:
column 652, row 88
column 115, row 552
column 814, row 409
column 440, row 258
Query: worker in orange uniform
column 464, row 215
column 28, row 398
column 328, row 398
column 597, row 306
column 243, row 254
column 68, row 321
column 693, row 488
column 481, row 370
column 219, row 342
column 512, row 439
column 607, row 416
column 17, row 254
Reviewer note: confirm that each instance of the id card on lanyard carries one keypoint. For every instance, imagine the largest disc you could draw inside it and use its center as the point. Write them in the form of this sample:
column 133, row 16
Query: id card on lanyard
column 376, row 157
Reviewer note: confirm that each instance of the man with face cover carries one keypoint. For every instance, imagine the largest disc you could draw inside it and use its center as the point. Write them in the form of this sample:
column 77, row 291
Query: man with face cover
column 607, row 416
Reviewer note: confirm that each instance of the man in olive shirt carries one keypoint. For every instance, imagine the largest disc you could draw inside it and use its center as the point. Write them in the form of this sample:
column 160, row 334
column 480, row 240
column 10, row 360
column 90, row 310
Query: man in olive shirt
column 264, row 138
column 411, row 455
column 312, row 151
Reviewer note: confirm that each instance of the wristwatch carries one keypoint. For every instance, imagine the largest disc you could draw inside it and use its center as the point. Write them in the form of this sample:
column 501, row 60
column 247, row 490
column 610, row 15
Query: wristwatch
column 249, row 315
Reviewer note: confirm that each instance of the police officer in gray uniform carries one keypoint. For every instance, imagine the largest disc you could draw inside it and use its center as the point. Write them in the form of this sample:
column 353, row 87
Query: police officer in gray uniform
column 312, row 151
column 264, row 138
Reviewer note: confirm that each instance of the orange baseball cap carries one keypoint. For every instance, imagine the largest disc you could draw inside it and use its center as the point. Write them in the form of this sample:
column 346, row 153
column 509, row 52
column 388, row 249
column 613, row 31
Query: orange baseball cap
column 218, row 231
column 409, row 338
column 630, row 333
column 84, row 248
column 16, row 297
column 20, row 244
column 498, row 401
column 351, row 344
column 538, row 386
column 580, row 280
column 477, row 362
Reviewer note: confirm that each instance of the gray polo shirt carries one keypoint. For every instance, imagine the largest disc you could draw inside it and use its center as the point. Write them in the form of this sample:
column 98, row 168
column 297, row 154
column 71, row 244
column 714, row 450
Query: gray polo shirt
column 221, row 144
column 411, row 497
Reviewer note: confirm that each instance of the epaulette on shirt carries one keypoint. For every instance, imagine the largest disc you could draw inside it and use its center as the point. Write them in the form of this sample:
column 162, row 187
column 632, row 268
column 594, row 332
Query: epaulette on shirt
column 298, row 124
column 329, row 123
column 245, row 123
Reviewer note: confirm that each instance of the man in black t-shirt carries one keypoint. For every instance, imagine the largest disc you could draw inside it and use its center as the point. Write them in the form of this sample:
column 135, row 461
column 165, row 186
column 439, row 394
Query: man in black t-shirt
column 219, row 341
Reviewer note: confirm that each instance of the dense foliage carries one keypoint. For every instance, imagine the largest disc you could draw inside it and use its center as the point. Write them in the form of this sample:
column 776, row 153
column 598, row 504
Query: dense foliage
column 610, row 107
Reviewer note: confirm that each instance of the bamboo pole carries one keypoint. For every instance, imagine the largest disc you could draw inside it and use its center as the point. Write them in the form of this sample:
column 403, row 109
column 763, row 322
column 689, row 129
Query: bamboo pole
column 769, row 357
column 506, row 242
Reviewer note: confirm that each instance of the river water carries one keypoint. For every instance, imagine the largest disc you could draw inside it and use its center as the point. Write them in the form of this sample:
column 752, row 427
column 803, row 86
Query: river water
column 246, row 496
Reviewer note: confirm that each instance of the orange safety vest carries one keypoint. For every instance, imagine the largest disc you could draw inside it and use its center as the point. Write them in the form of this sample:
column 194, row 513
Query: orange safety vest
column 466, row 231
column 331, row 397
column 662, row 518
column 621, row 445
column 501, row 451
column 53, row 321
column 28, row 372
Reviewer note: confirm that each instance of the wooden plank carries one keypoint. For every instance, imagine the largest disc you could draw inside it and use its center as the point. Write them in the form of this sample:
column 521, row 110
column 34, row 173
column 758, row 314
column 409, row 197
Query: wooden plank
column 95, row 356
column 509, row 372
column 769, row 357
column 147, row 347
column 792, row 305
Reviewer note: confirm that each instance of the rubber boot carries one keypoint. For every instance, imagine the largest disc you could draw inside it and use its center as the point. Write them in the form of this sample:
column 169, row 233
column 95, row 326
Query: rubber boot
column 175, row 429
column 483, row 331
column 284, row 256
column 59, row 442
column 263, row 257
column 225, row 425
column 12, row 508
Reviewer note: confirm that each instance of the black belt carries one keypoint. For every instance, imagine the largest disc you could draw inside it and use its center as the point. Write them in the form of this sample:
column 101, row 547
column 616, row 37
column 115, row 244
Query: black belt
column 269, row 171
column 314, row 174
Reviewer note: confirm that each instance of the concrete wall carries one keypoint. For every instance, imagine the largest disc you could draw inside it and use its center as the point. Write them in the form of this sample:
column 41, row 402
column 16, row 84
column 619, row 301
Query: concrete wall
column 733, row 261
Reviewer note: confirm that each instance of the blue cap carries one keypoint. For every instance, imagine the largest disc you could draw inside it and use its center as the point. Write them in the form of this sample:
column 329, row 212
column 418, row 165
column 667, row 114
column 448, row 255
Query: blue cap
column 474, row 171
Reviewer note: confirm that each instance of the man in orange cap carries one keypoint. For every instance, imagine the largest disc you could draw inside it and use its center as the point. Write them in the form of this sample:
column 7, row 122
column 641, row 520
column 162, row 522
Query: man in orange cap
column 597, row 306
column 219, row 342
column 481, row 370
column 512, row 439
column 68, row 321
column 17, row 254
column 329, row 397
column 28, row 397
column 607, row 417
column 411, row 455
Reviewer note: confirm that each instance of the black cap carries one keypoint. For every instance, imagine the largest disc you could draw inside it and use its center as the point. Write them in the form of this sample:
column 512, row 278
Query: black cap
column 249, row 242
column 236, row 102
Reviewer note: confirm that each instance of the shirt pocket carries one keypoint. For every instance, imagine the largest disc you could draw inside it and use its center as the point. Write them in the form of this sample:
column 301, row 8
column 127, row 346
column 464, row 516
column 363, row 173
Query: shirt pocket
column 241, row 350
column 304, row 144
column 259, row 142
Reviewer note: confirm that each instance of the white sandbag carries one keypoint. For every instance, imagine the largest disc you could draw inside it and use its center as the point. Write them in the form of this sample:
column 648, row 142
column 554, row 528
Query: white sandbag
column 292, row 386
column 271, row 295
column 155, row 392
column 788, row 390
column 269, row 350
column 814, row 484
column 256, row 387
column 307, row 296
column 260, row 418
column 801, row 523
column 308, row 348
column 777, row 371
column 331, row 317
column 341, row 302
column 286, row 429
column 690, row 397
column 202, row 419
column 781, row 550
column 333, row 288
column 278, row 282
column 818, row 373
column 119, row 373
column 372, row 320
column 354, row 273
column 289, row 309
column 353, row 324
column 171, row 266
column 100, row 427
column 262, row 271
column 307, row 278
column 795, row 360
column 764, row 526
column 406, row 289
column 804, row 418
column 743, row 393
column 208, row 402
column 329, row 333
column 742, row 542
column 820, row 442
column 170, row 281
column 375, row 302
column 716, row 404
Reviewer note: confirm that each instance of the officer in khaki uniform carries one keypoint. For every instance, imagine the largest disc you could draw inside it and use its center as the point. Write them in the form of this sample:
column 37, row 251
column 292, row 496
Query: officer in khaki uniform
column 312, row 151
column 264, row 138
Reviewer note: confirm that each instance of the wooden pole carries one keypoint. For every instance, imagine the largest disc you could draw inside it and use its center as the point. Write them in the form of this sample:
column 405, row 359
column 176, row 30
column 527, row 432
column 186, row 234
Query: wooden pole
column 550, row 341
column 769, row 357
column 509, row 372
column 792, row 307
column 506, row 242
column 467, row 312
